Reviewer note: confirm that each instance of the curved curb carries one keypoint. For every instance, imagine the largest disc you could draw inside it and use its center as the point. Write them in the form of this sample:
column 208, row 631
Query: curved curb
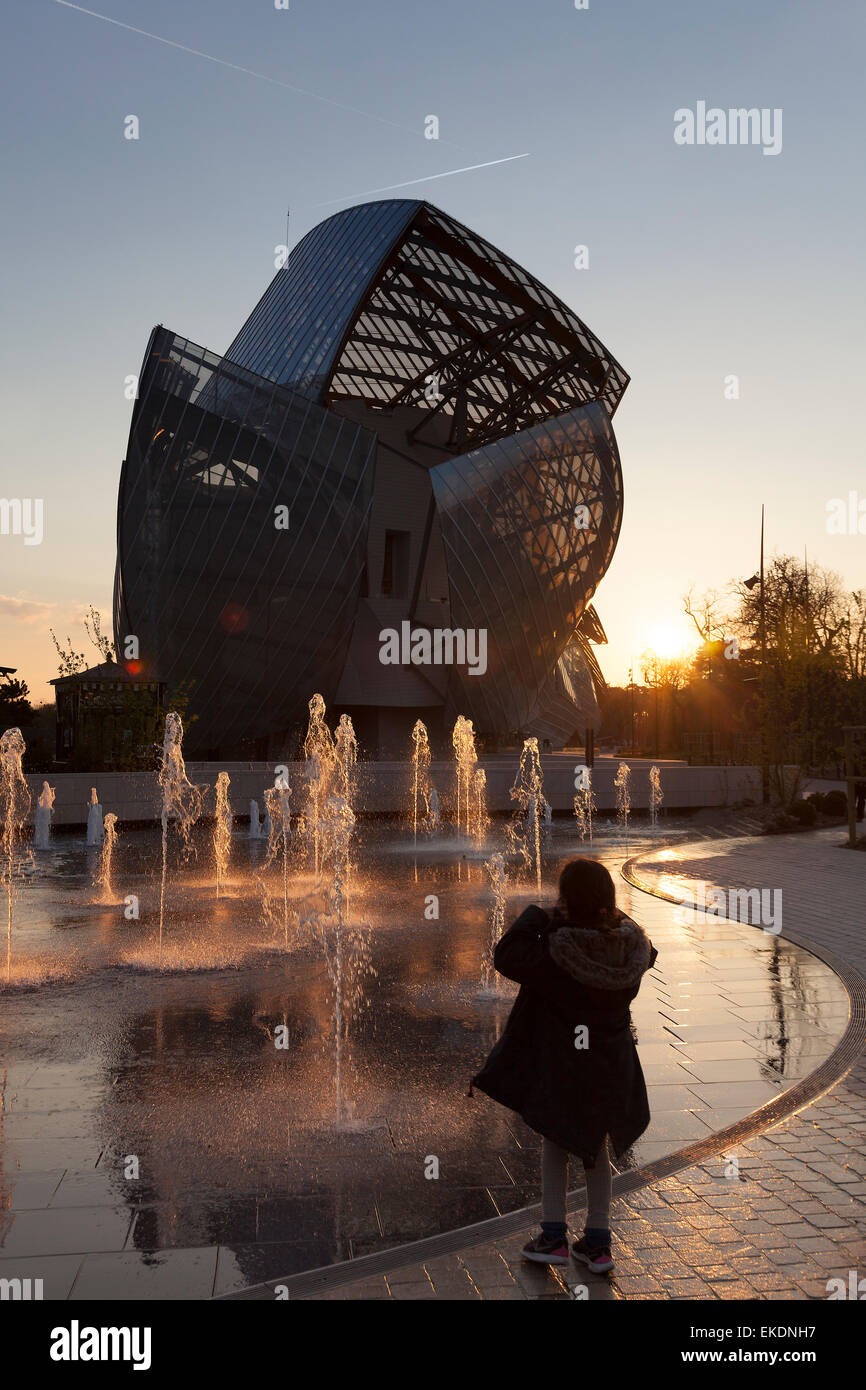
column 309, row 1283
column 844, row 1054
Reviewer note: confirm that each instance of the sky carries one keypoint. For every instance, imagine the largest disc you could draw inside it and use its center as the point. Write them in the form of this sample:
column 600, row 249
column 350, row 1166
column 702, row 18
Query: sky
column 706, row 262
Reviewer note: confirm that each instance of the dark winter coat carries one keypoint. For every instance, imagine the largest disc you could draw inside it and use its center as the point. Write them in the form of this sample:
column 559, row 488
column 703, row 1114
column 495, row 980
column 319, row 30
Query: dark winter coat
column 570, row 976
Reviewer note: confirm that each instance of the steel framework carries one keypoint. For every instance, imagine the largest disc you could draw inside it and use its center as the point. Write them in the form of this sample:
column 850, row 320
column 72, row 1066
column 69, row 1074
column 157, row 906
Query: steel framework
column 421, row 407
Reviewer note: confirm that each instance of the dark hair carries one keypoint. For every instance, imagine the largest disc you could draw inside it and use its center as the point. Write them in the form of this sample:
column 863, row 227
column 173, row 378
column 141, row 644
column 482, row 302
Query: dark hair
column 587, row 891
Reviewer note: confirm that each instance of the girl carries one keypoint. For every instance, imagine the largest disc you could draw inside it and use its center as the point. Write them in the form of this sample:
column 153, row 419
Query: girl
column 567, row 1062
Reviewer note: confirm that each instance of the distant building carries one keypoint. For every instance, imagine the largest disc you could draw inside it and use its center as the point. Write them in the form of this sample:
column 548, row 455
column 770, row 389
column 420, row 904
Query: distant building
column 410, row 434
column 101, row 711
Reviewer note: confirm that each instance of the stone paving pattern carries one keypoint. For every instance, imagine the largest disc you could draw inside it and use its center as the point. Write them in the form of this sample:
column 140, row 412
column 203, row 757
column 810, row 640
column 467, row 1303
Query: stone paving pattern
column 794, row 1217
column 781, row 1230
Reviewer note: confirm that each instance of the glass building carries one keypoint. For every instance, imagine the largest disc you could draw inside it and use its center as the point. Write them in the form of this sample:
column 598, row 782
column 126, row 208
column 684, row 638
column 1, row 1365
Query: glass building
column 410, row 434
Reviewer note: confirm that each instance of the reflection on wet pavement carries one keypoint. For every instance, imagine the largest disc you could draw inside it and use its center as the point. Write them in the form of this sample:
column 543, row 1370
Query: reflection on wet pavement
column 155, row 1141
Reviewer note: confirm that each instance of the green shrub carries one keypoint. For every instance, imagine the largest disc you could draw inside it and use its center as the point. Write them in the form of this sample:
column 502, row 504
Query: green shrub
column 805, row 812
column 835, row 803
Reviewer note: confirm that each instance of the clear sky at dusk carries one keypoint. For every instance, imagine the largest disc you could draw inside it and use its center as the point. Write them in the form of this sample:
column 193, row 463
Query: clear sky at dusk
column 704, row 261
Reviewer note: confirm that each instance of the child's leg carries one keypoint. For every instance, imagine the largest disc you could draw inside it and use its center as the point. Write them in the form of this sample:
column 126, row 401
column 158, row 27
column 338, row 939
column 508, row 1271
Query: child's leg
column 554, row 1187
column 598, row 1190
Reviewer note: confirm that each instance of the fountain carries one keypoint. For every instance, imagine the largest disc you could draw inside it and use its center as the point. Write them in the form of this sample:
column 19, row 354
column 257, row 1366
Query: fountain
column 14, row 808
column 465, row 758
column 584, row 801
column 338, row 827
column 44, row 812
column 622, row 782
column 103, row 878
column 524, row 831
column 421, row 788
column 279, row 820
column 435, row 815
column 477, row 818
column 655, row 795
column 346, row 753
column 344, row 946
column 495, row 867
column 181, row 801
column 222, row 831
column 322, row 767
column 95, row 829
column 277, row 1061
column 257, row 830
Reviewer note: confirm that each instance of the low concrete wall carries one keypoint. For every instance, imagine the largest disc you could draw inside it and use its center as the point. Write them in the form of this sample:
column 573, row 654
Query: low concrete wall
column 385, row 786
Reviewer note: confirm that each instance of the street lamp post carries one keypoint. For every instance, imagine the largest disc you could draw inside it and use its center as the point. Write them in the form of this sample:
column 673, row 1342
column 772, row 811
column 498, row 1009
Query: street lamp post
column 762, row 686
column 765, row 760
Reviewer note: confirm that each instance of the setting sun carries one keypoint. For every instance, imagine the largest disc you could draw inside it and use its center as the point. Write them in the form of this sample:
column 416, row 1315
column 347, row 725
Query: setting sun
column 667, row 639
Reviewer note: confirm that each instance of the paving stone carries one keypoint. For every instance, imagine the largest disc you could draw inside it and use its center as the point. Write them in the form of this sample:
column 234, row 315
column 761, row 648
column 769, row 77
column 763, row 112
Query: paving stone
column 793, row 1220
column 638, row 1284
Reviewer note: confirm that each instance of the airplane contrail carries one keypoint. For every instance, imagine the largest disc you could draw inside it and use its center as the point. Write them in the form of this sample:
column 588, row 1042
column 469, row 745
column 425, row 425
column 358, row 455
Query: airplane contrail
column 446, row 173
column 237, row 67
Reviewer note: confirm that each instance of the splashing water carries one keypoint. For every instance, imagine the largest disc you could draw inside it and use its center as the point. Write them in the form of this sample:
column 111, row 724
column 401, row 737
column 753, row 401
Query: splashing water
column 622, row 782
column 14, row 808
column 465, row 758
column 478, row 820
column 584, row 802
column 524, row 832
column 181, row 801
column 278, row 802
column 655, row 795
column 421, row 788
column 44, row 812
column 94, row 819
column 345, row 946
column 103, row 878
column 338, row 824
column 256, row 831
column 222, row 831
column 435, row 814
column 322, row 767
column 346, row 753
column 495, row 867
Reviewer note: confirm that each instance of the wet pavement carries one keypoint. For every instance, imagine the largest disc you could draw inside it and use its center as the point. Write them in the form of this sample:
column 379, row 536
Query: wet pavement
column 779, row 1214
column 155, row 1141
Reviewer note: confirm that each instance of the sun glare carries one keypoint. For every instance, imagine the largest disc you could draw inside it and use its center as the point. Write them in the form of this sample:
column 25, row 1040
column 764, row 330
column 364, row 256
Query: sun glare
column 666, row 640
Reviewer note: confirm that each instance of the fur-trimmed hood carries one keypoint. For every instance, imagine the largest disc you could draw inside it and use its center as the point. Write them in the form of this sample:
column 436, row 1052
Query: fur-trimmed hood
column 614, row 957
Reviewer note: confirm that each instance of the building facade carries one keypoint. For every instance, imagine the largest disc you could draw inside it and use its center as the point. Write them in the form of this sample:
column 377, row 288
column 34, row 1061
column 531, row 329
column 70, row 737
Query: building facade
column 411, row 438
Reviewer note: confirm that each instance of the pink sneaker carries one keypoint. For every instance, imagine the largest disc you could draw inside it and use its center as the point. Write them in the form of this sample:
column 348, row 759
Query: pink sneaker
column 546, row 1250
column 597, row 1257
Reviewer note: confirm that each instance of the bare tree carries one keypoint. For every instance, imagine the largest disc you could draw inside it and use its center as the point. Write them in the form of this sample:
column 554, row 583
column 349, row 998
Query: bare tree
column 854, row 635
column 706, row 613
column 93, row 628
column 73, row 662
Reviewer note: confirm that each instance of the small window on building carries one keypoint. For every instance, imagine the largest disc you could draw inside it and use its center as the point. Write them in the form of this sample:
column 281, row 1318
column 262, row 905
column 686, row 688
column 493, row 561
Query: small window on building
column 395, row 567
